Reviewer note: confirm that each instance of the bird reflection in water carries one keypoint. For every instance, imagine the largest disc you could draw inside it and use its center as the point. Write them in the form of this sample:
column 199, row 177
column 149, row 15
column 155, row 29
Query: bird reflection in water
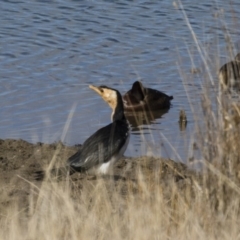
column 139, row 118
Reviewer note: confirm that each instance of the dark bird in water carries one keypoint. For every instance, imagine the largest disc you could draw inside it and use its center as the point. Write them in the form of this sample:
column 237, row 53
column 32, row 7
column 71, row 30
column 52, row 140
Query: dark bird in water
column 229, row 74
column 101, row 150
column 140, row 98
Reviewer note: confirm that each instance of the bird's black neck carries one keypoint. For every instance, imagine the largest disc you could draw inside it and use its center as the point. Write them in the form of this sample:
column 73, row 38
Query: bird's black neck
column 118, row 112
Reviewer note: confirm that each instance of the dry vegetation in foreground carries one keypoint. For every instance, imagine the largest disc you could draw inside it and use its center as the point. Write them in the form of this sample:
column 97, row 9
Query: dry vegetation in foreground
column 147, row 198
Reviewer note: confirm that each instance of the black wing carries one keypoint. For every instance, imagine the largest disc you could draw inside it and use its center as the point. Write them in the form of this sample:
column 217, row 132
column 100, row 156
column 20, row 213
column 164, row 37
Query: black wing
column 101, row 146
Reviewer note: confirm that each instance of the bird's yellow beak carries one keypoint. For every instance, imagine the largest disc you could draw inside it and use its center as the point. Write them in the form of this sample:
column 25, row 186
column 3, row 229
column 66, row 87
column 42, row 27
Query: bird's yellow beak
column 96, row 89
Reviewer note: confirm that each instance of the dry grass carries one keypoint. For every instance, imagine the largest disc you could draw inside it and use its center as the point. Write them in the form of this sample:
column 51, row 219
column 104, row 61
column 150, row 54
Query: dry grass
column 198, row 207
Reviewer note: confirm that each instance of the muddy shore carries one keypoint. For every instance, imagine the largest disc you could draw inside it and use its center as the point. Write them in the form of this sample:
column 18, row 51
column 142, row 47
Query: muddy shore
column 19, row 160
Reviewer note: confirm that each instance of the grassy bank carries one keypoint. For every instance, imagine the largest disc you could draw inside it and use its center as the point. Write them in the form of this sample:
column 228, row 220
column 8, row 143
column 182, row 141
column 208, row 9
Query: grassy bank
column 148, row 198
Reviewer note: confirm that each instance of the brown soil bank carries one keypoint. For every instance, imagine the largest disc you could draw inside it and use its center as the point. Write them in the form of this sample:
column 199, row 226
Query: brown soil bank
column 160, row 185
column 19, row 160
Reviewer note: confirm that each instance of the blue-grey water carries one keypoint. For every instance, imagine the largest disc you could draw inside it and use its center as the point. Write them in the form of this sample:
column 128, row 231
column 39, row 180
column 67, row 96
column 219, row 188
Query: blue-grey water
column 50, row 51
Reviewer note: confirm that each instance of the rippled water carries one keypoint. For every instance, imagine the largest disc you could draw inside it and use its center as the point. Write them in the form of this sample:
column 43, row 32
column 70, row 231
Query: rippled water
column 52, row 50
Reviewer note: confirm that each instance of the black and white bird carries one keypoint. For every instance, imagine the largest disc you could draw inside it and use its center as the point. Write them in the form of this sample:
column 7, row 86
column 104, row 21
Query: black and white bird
column 101, row 150
column 229, row 74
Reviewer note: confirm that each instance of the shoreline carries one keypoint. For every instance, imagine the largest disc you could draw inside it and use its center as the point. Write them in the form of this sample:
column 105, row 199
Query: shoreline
column 149, row 186
column 19, row 159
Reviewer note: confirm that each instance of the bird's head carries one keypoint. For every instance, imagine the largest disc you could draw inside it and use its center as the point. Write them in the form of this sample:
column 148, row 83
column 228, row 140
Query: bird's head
column 138, row 91
column 109, row 95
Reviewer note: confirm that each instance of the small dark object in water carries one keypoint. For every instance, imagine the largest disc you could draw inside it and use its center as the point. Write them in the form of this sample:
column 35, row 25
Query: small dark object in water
column 182, row 120
column 195, row 70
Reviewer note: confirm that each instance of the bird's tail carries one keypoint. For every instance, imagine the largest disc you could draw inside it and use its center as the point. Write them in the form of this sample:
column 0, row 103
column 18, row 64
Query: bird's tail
column 55, row 173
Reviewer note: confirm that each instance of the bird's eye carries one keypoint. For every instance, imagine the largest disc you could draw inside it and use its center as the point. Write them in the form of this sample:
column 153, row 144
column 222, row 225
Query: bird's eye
column 101, row 90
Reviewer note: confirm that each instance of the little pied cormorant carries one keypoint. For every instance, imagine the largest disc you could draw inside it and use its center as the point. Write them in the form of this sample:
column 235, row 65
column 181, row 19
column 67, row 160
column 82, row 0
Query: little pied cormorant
column 101, row 150
column 139, row 98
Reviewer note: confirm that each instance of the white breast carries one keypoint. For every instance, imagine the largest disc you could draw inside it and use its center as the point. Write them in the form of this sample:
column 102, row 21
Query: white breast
column 106, row 167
